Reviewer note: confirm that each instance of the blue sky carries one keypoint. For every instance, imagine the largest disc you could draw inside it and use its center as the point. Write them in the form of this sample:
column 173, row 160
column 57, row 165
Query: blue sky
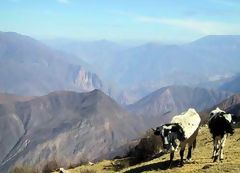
column 136, row 20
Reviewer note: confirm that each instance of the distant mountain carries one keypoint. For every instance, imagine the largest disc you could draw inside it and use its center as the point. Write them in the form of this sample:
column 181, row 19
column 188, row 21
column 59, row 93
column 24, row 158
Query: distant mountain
column 140, row 70
column 28, row 67
column 218, row 41
column 201, row 63
column 159, row 107
column 98, row 54
column 67, row 127
column 159, row 65
column 232, row 85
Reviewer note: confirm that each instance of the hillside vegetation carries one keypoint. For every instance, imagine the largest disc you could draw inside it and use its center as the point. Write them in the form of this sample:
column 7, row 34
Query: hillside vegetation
column 202, row 161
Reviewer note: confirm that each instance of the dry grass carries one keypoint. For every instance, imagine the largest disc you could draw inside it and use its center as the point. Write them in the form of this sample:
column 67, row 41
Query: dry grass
column 88, row 171
column 22, row 169
column 201, row 156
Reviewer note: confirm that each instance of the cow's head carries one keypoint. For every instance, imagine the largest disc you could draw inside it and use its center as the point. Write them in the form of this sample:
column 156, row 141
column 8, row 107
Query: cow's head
column 169, row 133
column 217, row 111
column 221, row 113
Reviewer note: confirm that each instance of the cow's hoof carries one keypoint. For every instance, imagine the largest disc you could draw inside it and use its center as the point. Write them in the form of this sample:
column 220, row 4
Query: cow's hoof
column 189, row 161
column 215, row 158
column 169, row 166
column 181, row 165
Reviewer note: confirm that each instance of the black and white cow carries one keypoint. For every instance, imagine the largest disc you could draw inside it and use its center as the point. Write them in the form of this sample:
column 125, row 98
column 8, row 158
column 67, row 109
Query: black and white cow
column 184, row 128
column 220, row 125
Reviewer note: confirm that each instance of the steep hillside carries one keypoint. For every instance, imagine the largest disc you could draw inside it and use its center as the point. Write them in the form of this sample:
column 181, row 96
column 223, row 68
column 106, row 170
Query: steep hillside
column 202, row 161
column 159, row 106
column 65, row 127
column 28, row 67
column 233, row 85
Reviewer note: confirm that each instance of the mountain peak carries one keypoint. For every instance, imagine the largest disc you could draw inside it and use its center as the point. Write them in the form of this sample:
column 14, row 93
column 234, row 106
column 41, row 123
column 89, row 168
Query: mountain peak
column 211, row 40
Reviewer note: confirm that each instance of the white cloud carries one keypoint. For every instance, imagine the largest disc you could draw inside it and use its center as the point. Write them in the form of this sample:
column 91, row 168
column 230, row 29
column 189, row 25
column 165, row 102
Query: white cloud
column 64, row 1
column 202, row 27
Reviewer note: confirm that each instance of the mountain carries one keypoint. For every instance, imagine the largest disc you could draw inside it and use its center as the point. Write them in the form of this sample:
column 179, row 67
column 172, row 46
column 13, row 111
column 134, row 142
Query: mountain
column 159, row 107
column 218, row 41
column 98, row 54
column 28, row 67
column 65, row 127
column 140, row 70
column 160, row 65
column 232, row 85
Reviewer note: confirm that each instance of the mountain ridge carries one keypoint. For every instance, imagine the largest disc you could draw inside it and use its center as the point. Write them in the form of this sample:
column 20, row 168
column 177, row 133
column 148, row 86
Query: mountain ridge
column 161, row 105
column 96, row 126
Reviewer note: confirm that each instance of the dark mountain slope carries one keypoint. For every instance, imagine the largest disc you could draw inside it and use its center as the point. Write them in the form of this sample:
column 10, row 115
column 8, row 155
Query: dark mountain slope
column 67, row 127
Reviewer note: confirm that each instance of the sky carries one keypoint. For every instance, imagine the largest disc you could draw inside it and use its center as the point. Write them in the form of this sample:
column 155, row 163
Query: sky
column 118, row 20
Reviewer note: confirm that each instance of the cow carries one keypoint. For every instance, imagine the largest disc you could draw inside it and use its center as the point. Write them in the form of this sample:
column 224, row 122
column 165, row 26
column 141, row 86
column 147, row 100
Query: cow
column 220, row 126
column 61, row 170
column 183, row 127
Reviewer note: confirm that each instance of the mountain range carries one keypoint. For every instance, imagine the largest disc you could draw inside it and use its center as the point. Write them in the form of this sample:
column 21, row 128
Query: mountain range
column 77, row 121
column 127, row 72
column 208, row 62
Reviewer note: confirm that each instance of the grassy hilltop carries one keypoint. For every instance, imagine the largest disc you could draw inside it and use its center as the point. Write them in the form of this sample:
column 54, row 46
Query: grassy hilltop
column 202, row 162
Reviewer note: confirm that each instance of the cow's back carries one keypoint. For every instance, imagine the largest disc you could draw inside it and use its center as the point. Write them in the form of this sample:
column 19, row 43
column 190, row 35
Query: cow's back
column 219, row 125
column 189, row 121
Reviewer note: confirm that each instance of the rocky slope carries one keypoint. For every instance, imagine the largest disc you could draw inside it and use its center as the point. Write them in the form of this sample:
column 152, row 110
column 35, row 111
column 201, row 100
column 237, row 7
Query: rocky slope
column 65, row 127
column 28, row 67
column 159, row 106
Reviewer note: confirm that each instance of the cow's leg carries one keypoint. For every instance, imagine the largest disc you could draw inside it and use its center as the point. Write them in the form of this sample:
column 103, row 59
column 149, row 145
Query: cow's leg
column 183, row 145
column 171, row 159
column 222, row 146
column 181, row 155
column 216, row 148
column 189, row 155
